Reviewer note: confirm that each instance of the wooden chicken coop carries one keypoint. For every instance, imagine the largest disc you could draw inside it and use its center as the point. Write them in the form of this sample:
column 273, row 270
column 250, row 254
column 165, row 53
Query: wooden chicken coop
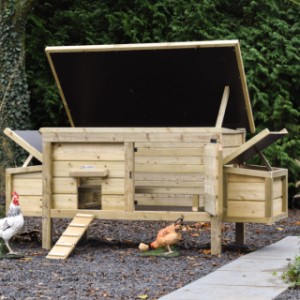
column 158, row 131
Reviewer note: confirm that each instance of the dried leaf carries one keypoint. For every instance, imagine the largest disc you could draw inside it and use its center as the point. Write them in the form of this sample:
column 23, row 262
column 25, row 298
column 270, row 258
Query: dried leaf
column 109, row 239
column 143, row 296
column 26, row 259
column 195, row 234
column 206, row 251
column 191, row 257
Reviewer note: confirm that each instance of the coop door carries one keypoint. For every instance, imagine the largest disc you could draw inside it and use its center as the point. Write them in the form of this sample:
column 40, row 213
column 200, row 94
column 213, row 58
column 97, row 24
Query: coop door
column 89, row 196
column 213, row 179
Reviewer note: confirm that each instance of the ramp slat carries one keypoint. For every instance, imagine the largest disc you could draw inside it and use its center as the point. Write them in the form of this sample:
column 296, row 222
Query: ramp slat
column 70, row 237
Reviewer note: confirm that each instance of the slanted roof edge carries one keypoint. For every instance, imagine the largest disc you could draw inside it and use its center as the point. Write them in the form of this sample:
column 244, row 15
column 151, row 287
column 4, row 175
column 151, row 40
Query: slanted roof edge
column 142, row 46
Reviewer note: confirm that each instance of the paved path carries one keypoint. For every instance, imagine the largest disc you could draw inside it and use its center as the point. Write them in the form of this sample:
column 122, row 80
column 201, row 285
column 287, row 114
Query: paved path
column 247, row 278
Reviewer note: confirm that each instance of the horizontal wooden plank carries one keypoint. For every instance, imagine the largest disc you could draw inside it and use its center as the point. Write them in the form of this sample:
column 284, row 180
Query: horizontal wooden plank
column 167, row 190
column 245, row 209
column 169, row 160
column 256, row 171
column 245, row 191
column 160, row 200
column 64, row 185
column 88, row 172
column 24, row 170
column 28, row 213
column 64, row 201
column 31, row 203
column 244, row 219
column 246, row 179
column 109, row 202
column 62, row 168
column 88, row 151
column 169, row 183
column 181, row 177
column 31, row 175
column 136, row 130
column 27, row 187
column 135, row 215
column 94, row 136
column 113, row 187
column 169, row 168
column 233, row 139
column 172, row 150
column 169, row 145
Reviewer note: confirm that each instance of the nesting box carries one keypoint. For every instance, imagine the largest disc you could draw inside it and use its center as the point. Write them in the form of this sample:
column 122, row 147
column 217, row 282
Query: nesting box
column 257, row 194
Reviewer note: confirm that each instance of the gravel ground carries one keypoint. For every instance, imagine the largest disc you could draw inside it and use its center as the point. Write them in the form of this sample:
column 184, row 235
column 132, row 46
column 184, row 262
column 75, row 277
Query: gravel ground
column 107, row 264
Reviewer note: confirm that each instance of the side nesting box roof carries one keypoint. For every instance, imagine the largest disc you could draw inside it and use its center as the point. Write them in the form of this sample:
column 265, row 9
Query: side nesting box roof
column 152, row 85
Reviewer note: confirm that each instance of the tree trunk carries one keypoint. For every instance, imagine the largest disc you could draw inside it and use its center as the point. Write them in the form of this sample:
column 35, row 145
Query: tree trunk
column 14, row 95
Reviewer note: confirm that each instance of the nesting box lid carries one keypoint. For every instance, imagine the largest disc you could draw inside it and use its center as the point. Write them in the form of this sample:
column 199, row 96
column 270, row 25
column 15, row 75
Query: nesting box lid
column 258, row 143
column 29, row 140
column 152, row 85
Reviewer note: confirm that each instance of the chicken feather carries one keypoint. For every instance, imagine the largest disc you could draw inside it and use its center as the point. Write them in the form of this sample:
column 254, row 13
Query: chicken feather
column 13, row 222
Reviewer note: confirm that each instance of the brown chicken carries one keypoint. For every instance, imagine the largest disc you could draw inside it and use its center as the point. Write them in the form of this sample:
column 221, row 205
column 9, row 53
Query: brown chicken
column 166, row 237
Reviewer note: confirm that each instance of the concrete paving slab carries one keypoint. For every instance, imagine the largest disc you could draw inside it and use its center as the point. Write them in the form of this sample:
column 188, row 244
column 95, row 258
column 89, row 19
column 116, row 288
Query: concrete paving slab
column 242, row 278
column 257, row 265
column 285, row 249
column 224, row 293
column 251, row 276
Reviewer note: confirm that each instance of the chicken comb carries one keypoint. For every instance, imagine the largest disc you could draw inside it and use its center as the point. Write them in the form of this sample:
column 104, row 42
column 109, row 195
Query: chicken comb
column 15, row 194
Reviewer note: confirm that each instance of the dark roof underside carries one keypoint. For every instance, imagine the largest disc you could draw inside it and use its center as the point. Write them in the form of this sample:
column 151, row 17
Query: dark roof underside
column 151, row 88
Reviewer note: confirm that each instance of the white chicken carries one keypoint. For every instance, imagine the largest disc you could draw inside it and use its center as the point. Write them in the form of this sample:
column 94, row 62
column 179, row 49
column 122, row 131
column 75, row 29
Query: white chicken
column 12, row 223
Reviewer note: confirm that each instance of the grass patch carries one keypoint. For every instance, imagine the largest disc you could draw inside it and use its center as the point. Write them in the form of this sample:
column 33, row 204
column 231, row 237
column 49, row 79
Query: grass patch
column 161, row 252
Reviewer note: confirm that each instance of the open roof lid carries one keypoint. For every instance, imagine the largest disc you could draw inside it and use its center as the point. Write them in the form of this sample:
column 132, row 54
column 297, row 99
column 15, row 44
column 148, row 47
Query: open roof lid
column 255, row 145
column 29, row 140
column 151, row 85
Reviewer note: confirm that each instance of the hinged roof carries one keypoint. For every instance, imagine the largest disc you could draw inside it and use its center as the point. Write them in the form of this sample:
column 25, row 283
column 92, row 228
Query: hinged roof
column 152, row 85
column 29, row 140
column 258, row 143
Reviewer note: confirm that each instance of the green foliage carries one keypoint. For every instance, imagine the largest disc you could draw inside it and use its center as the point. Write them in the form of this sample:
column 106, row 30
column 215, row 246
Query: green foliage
column 292, row 275
column 269, row 32
column 14, row 96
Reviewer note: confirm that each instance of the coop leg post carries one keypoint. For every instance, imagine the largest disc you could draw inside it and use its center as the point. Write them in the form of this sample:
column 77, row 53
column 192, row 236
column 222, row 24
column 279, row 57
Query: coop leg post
column 216, row 236
column 240, row 232
column 195, row 203
column 47, row 197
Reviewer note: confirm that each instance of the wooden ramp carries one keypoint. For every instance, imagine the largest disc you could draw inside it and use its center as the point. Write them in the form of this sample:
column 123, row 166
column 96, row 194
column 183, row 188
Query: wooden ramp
column 67, row 242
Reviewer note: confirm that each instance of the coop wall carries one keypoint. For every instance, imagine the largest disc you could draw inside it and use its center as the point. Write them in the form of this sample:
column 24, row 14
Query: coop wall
column 27, row 182
column 167, row 169
column 171, row 175
column 68, row 157
column 254, row 194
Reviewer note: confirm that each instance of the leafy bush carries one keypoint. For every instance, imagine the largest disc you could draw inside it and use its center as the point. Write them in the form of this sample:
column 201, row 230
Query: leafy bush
column 269, row 32
column 292, row 275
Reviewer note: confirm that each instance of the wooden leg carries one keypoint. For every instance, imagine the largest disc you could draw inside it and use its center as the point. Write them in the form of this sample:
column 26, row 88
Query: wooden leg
column 195, row 203
column 47, row 196
column 216, row 236
column 46, row 232
column 240, row 231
